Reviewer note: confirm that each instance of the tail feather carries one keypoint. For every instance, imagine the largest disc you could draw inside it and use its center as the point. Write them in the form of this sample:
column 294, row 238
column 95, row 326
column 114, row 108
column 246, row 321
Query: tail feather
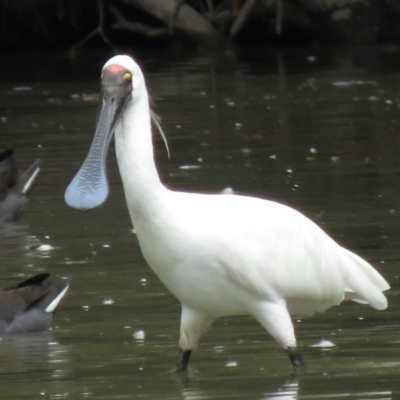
column 60, row 292
column 28, row 177
column 364, row 283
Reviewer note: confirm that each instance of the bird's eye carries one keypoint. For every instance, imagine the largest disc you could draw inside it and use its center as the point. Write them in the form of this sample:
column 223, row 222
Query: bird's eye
column 127, row 77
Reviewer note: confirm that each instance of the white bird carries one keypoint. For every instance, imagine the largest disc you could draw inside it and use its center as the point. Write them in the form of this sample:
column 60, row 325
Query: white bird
column 219, row 255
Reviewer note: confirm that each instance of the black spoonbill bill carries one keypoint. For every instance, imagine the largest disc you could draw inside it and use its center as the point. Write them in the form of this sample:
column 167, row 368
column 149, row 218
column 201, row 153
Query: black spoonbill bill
column 14, row 187
column 29, row 306
column 219, row 255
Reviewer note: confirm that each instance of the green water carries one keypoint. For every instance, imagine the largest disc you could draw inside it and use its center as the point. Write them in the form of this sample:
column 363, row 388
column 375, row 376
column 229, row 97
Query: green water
column 322, row 135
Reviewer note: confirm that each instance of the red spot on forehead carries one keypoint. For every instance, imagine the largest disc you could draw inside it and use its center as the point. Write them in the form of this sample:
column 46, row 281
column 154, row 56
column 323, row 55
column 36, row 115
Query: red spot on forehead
column 114, row 68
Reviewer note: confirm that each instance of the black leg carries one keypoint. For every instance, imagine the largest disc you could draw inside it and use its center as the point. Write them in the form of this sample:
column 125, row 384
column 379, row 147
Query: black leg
column 295, row 357
column 183, row 360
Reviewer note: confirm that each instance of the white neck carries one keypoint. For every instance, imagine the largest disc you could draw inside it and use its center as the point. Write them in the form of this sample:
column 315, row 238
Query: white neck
column 134, row 149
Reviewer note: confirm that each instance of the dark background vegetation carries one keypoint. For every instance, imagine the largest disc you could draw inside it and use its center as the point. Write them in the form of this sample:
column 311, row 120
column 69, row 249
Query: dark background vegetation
column 60, row 25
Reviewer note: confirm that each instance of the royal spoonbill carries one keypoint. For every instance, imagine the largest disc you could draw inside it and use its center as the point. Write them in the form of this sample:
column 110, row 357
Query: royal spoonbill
column 14, row 187
column 29, row 306
column 219, row 255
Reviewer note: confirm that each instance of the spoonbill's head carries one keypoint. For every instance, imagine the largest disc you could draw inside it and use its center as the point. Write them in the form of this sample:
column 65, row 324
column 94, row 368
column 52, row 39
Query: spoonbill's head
column 121, row 80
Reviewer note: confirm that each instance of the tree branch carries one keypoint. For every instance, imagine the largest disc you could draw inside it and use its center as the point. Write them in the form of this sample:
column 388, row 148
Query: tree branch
column 137, row 27
column 98, row 31
column 185, row 20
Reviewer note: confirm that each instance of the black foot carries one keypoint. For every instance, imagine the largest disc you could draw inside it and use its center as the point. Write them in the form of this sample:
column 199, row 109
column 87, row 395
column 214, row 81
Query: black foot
column 183, row 360
column 295, row 357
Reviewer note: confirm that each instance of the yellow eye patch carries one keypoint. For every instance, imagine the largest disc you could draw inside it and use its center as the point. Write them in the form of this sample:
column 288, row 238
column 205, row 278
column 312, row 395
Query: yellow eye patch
column 127, row 77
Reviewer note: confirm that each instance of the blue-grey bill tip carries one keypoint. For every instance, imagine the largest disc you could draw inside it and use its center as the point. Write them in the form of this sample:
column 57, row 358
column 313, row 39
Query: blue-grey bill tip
column 83, row 194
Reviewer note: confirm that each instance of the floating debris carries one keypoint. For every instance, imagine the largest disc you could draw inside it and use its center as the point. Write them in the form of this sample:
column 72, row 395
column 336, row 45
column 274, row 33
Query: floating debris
column 335, row 159
column 75, row 262
column 139, row 335
column 54, row 100
column 143, row 281
column 227, row 190
column 323, row 343
column 90, row 97
column 108, row 301
column 45, row 247
column 353, row 83
column 231, row 364
column 189, row 166
column 22, row 88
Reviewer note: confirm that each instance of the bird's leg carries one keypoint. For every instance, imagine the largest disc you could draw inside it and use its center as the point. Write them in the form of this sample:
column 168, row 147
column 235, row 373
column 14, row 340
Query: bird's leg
column 295, row 357
column 276, row 320
column 193, row 324
column 183, row 360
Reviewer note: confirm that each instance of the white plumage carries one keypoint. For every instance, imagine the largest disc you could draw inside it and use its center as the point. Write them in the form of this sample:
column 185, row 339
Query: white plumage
column 223, row 255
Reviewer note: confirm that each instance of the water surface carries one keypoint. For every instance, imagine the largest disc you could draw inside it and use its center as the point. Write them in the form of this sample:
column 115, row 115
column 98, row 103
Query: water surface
column 315, row 129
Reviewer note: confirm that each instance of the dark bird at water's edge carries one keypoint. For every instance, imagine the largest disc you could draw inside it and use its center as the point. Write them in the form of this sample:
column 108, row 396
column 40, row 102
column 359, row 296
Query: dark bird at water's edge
column 29, row 306
column 14, row 187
